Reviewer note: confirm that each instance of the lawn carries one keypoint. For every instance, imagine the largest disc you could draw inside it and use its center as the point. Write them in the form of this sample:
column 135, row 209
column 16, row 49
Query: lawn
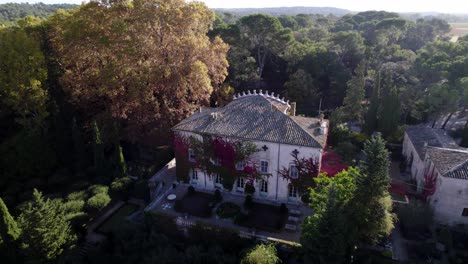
column 117, row 219
column 264, row 217
column 197, row 204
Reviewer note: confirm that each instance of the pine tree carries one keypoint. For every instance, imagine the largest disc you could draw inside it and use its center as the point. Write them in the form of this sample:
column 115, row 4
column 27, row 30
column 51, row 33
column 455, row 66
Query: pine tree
column 352, row 103
column 372, row 112
column 9, row 231
column 46, row 232
column 323, row 237
column 372, row 217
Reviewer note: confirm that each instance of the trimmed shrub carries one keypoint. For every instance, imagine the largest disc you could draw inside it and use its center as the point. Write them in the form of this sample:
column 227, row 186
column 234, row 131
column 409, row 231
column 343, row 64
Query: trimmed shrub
column 120, row 187
column 191, row 190
column 77, row 196
column 228, row 210
column 217, row 196
column 97, row 189
column 249, row 189
column 98, row 201
column 248, row 203
column 73, row 206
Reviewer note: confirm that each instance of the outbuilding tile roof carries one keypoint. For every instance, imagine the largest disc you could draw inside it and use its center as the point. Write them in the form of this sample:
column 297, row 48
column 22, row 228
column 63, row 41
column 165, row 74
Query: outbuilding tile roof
column 420, row 135
column 451, row 163
column 256, row 117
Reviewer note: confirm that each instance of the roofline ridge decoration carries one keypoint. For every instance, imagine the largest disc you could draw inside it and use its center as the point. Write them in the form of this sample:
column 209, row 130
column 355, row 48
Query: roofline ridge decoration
column 456, row 167
column 266, row 95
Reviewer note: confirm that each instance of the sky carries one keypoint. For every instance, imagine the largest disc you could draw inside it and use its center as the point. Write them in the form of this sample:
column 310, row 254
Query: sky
column 442, row 6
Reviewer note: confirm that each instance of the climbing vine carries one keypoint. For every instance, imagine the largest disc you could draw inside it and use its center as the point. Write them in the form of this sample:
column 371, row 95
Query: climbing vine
column 307, row 170
column 430, row 184
column 215, row 155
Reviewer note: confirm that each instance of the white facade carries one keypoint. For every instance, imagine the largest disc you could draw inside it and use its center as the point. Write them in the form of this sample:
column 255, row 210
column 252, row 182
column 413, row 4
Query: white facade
column 450, row 199
column 415, row 162
column 276, row 157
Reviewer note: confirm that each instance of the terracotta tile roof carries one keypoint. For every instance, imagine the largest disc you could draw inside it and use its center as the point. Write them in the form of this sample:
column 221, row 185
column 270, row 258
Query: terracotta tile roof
column 256, row 117
column 451, row 163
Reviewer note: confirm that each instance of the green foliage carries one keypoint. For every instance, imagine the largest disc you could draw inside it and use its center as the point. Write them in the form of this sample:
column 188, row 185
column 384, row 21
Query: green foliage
column 355, row 94
column 416, row 217
column 97, row 189
column 228, row 210
column 373, row 110
column 262, row 254
column 98, row 201
column 301, row 89
column 348, row 151
column 263, row 34
column 464, row 141
column 248, row 202
column 46, row 232
column 22, row 80
column 372, row 217
column 11, row 12
column 120, row 187
column 9, row 230
column 249, row 188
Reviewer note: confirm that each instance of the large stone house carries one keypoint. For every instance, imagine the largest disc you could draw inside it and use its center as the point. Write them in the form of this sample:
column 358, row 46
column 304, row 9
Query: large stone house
column 440, row 169
column 271, row 124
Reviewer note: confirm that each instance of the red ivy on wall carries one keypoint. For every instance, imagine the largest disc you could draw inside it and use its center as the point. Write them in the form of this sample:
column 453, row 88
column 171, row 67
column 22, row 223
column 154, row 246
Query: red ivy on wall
column 307, row 170
column 216, row 155
column 430, row 184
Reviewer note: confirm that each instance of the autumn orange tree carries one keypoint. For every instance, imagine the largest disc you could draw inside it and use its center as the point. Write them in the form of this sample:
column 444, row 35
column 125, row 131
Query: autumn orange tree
column 145, row 63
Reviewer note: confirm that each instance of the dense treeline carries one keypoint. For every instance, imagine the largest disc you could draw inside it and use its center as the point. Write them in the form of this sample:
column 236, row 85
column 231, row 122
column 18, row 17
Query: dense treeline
column 84, row 91
column 373, row 67
column 11, row 12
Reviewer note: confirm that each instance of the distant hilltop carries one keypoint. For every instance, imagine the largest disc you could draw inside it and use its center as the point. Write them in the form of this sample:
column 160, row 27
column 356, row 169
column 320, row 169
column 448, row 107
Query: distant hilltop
column 276, row 11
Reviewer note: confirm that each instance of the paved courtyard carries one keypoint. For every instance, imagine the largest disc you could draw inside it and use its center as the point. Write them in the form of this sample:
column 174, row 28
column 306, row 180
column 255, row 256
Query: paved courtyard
column 160, row 203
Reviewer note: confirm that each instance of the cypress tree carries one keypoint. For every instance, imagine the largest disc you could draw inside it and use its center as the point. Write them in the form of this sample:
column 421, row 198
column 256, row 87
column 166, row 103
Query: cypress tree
column 100, row 161
column 372, row 112
column 120, row 166
column 9, row 231
column 372, row 216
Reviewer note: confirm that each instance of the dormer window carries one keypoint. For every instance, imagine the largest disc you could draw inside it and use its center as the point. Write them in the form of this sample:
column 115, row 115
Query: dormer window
column 293, row 173
column 191, row 155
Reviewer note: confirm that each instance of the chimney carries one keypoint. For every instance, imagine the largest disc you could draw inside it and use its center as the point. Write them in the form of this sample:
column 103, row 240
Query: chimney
column 292, row 111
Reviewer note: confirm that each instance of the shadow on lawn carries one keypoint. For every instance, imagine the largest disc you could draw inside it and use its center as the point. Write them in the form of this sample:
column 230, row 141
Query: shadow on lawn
column 196, row 204
column 264, row 217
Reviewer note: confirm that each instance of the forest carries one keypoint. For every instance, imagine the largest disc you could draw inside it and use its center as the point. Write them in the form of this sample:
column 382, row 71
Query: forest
column 10, row 12
column 90, row 94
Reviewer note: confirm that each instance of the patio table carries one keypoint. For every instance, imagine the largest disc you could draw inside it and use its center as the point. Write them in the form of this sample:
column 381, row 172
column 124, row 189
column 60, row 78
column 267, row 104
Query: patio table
column 171, row 197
